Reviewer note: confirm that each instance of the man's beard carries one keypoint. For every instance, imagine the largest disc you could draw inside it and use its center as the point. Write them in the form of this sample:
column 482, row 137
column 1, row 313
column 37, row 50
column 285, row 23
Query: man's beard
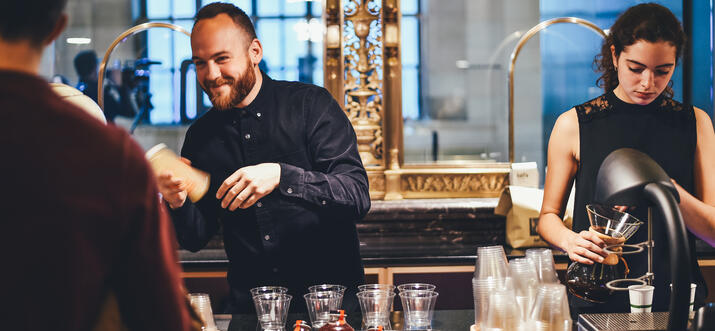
column 240, row 88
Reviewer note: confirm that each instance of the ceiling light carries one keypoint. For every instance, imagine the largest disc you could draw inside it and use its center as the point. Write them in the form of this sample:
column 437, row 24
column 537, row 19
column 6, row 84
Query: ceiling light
column 79, row 41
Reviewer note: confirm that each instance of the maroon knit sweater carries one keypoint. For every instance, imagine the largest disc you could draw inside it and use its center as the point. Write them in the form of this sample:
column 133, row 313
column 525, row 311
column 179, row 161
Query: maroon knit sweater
column 79, row 217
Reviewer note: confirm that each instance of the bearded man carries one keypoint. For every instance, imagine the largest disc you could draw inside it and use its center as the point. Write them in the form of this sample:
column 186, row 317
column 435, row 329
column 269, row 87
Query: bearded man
column 287, row 182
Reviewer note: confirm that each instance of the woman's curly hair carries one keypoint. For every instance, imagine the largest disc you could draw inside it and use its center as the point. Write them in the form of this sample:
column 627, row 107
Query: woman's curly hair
column 649, row 22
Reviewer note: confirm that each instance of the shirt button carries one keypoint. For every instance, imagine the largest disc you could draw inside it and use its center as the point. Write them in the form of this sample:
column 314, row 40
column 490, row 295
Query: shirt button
column 259, row 204
column 247, row 136
column 289, row 190
column 275, row 269
column 267, row 237
column 258, row 114
column 234, row 122
column 323, row 202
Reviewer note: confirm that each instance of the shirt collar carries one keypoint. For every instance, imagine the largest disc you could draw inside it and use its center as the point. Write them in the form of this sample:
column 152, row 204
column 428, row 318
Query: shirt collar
column 255, row 107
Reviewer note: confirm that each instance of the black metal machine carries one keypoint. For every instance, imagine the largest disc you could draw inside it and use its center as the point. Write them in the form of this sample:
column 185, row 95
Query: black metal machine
column 629, row 177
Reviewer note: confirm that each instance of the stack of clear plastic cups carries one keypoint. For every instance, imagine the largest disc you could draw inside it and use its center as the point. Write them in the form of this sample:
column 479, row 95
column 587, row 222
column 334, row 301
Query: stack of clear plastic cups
column 551, row 309
column 339, row 291
column 491, row 263
column 482, row 289
column 376, row 303
column 202, row 305
column 272, row 310
column 526, row 281
column 544, row 261
column 490, row 273
column 504, row 313
column 320, row 304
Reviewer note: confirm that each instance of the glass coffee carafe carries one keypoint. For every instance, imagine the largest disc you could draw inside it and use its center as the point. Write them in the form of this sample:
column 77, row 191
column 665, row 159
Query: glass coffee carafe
column 588, row 282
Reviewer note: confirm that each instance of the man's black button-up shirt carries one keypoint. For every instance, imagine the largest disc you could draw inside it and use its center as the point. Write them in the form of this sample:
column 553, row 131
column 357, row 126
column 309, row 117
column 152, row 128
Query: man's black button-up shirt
column 301, row 234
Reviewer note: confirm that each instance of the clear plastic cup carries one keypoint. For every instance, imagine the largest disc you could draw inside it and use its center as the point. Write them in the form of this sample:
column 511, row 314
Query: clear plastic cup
column 378, row 287
column 491, row 262
column 482, row 289
column 338, row 289
column 418, row 309
column 526, row 281
column 327, row 287
column 272, row 310
column 503, row 312
column 268, row 289
column 551, row 309
column 319, row 306
column 544, row 261
column 416, row 287
column 376, row 306
column 202, row 305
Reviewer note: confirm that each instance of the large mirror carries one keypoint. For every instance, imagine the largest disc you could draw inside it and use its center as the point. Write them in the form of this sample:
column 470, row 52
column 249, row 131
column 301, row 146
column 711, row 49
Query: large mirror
column 462, row 48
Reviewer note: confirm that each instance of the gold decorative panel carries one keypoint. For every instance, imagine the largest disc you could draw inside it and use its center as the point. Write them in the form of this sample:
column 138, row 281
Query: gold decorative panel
column 363, row 79
column 453, row 185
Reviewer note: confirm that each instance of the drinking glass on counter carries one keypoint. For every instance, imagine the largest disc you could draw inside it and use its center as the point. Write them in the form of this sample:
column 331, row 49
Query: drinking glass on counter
column 418, row 307
column 272, row 310
column 202, row 305
column 376, row 306
column 320, row 304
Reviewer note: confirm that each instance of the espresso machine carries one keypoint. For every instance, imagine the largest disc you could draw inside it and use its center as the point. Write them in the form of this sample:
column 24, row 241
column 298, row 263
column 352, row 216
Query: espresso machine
column 628, row 177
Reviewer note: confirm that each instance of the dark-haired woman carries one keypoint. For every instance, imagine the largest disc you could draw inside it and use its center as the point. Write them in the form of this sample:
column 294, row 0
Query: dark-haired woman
column 637, row 61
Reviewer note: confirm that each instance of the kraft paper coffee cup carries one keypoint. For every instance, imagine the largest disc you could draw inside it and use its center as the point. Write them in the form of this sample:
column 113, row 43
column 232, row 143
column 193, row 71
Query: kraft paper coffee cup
column 162, row 159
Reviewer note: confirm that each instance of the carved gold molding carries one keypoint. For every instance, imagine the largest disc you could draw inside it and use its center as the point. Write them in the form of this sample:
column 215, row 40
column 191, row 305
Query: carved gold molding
column 453, row 182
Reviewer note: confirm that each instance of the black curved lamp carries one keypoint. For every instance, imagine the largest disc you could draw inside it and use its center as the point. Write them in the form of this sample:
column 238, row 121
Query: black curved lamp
column 629, row 177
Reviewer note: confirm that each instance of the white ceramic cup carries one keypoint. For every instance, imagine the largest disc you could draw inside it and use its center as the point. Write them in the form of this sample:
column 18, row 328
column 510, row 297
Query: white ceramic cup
column 641, row 298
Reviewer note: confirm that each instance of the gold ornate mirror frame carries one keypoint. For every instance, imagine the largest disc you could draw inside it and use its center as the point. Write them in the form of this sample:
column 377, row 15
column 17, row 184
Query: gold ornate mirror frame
column 363, row 72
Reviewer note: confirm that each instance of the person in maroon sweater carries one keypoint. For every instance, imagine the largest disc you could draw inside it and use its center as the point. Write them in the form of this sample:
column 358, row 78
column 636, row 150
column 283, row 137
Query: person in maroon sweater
column 81, row 216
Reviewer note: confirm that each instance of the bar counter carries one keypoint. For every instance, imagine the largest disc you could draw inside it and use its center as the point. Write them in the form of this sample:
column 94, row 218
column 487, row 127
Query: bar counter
column 445, row 320
column 405, row 241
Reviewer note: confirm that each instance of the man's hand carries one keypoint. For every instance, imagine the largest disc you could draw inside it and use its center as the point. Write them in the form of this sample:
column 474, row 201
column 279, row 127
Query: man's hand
column 249, row 184
column 172, row 188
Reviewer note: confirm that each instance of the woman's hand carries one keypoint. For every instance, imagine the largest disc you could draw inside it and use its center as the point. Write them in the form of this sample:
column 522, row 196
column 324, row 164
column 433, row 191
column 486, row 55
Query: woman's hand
column 585, row 247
